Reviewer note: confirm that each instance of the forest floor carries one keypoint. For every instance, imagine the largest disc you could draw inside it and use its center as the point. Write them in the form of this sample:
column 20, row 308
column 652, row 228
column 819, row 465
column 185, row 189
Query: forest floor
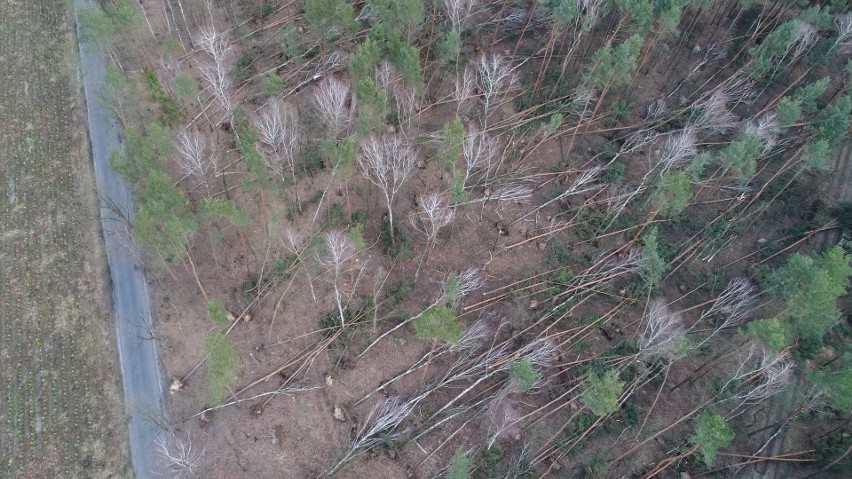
column 305, row 385
column 61, row 406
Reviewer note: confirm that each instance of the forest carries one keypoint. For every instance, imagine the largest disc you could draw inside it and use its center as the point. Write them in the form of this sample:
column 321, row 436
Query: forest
column 492, row 239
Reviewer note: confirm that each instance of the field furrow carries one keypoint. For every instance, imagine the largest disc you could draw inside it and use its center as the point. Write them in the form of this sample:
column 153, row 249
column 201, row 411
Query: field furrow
column 60, row 406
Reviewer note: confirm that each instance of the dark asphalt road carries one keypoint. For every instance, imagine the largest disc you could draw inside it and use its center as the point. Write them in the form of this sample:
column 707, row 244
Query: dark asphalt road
column 141, row 374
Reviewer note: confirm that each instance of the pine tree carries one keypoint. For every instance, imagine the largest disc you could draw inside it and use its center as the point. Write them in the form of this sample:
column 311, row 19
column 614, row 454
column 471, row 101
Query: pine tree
column 711, row 434
column 652, row 266
column 328, row 19
column 741, row 155
column 672, row 193
column 404, row 16
column 438, row 322
column 602, row 392
column 222, row 365
column 164, row 223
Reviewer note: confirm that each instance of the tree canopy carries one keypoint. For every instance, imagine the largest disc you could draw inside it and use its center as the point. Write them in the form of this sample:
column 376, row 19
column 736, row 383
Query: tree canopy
column 809, row 287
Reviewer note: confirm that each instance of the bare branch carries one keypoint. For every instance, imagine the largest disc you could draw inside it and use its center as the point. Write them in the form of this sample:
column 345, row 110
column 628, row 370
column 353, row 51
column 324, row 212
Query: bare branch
column 735, row 305
column 844, row 31
column 715, row 115
column 458, row 286
column 177, row 456
column 766, row 379
column 679, row 147
column 376, row 428
column 766, row 128
column 404, row 97
column 463, row 87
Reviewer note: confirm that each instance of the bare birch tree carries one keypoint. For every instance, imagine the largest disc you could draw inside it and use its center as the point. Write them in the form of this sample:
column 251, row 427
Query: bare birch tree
column 759, row 376
column 733, row 307
column 715, row 117
column 463, row 87
column 404, row 97
column 679, row 146
column 843, row 23
column 662, row 332
column 330, row 101
column 459, row 12
column 434, row 214
column 215, row 74
column 496, row 77
column 339, row 250
column 194, row 158
column 388, row 162
column 479, row 151
column 766, row 128
column 278, row 133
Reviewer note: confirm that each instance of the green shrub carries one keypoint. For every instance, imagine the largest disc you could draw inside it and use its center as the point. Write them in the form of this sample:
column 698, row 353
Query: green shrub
column 741, row 155
column 631, row 413
column 334, row 216
column 832, row 446
column 164, row 222
column 615, row 172
column 452, row 144
column 810, row 286
column 488, row 462
column 596, row 468
column 328, row 19
column 449, row 47
column 218, row 208
column 274, row 84
column 400, row 246
column 245, row 68
column 170, row 110
column 186, row 88
column 652, row 266
column 262, row 12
